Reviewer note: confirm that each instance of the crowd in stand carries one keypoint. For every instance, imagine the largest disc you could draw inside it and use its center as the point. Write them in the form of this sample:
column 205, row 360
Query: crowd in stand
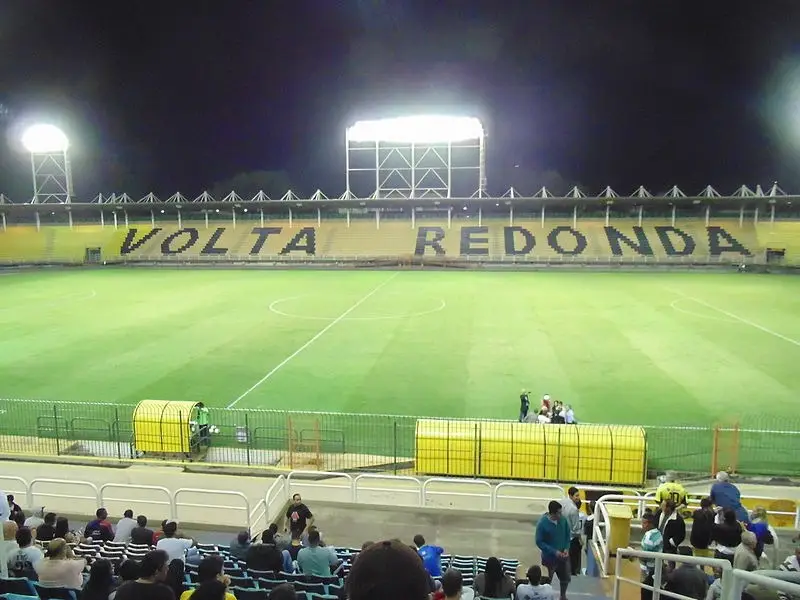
column 129, row 561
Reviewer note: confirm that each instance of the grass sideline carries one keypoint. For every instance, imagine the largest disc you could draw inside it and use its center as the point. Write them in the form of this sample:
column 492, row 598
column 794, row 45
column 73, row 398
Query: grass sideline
column 659, row 349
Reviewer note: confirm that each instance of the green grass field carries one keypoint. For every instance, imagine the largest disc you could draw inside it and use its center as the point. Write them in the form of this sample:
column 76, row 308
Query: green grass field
column 629, row 348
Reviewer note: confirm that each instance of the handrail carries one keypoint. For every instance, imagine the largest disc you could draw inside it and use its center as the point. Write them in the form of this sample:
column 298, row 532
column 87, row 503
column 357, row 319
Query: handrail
column 133, row 486
column 417, row 492
column 660, row 558
column 526, row 485
column 33, row 483
column 601, row 518
column 25, row 486
column 459, row 481
column 280, row 486
column 212, row 506
column 328, row 474
column 742, row 578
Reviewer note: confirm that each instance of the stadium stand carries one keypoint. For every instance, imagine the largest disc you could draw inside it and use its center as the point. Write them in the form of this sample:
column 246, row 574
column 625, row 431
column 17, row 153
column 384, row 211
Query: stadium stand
column 656, row 240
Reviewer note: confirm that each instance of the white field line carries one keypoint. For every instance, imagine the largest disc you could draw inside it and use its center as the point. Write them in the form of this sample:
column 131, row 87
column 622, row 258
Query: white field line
column 738, row 318
column 318, row 335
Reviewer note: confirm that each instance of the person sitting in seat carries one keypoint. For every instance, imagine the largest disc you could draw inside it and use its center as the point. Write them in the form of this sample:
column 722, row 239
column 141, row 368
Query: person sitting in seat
column 23, row 562
column 537, row 587
column 60, row 567
column 240, row 545
column 47, row 530
column 210, row 571
column 315, row 560
column 493, row 583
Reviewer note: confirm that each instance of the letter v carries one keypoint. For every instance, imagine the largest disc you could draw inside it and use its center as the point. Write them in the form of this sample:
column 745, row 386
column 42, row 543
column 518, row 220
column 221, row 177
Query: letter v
column 129, row 245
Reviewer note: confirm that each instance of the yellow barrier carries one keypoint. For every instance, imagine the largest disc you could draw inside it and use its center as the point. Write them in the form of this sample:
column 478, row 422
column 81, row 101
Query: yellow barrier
column 506, row 450
column 164, row 427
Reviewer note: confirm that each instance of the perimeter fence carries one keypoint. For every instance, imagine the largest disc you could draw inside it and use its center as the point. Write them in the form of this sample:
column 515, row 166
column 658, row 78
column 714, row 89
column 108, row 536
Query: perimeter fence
column 343, row 441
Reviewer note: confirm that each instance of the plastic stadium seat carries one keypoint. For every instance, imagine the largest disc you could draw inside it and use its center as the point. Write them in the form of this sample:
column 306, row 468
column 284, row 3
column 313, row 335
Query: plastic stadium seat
column 250, row 594
column 234, row 571
column 310, row 588
column 256, row 574
column 208, row 547
column 243, row 582
column 17, row 585
column 322, row 597
column 292, row 577
column 336, row 590
column 320, row 579
column 18, row 597
column 268, row 584
column 302, row 596
column 55, row 593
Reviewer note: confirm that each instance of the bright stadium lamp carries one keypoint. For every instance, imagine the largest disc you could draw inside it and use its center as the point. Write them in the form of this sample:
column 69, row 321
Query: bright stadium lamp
column 424, row 129
column 423, row 156
column 43, row 139
column 52, row 174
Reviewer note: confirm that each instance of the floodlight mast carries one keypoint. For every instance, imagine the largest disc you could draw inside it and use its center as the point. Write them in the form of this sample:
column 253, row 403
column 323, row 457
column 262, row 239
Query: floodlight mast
column 50, row 166
column 416, row 157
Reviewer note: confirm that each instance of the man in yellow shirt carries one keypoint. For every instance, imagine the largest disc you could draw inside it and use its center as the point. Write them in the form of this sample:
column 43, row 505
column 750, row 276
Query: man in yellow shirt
column 211, row 568
column 671, row 490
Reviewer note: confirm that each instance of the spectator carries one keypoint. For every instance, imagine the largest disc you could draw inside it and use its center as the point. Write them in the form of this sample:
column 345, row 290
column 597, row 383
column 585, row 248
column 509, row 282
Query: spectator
column 535, row 589
column 315, row 560
column 141, row 534
column 296, row 544
column 727, row 535
column 652, row 541
column 63, row 531
column 212, row 590
column 124, row 527
column 671, row 525
column 266, row 557
column 128, row 571
column 571, row 511
column 715, row 589
column 726, row 495
column 687, row 580
column 8, row 546
column 99, row 530
column 702, row 527
column 240, row 545
column 210, row 570
column 175, row 547
column 22, row 563
column 152, row 572
column 13, row 507
column 100, row 585
column 553, row 537
column 36, row 519
column 284, row 591
column 569, row 416
column 453, row 587
column 304, row 537
column 281, row 541
column 745, row 557
column 160, row 533
column 389, row 571
column 176, row 576
column 60, row 568
column 759, row 525
column 431, row 556
column 493, row 583
column 297, row 516
column 47, row 530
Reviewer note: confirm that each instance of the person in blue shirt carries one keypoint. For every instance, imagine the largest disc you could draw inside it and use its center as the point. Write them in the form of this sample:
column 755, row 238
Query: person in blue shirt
column 726, row 495
column 553, row 537
column 431, row 556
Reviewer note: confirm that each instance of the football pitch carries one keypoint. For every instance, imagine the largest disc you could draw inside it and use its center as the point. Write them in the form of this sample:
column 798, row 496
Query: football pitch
column 629, row 348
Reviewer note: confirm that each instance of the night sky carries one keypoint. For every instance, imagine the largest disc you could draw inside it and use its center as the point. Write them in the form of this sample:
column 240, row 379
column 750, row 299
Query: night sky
column 179, row 95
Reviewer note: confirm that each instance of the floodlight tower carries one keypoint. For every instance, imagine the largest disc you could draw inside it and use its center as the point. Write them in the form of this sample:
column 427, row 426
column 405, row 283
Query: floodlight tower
column 52, row 174
column 416, row 157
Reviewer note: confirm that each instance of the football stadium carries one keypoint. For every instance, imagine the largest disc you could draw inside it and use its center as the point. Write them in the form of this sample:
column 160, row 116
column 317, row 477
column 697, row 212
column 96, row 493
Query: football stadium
column 389, row 334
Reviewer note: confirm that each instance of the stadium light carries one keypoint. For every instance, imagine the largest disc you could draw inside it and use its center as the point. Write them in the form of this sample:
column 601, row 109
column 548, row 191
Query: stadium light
column 423, row 129
column 52, row 174
column 44, row 139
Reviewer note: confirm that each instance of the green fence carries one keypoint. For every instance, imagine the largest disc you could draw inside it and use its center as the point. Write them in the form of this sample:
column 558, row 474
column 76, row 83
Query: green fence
column 341, row 441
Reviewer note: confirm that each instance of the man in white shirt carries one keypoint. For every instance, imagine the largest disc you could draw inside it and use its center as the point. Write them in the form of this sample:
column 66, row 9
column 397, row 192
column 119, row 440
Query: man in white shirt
column 36, row 519
column 174, row 547
column 535, row 589
column 124, row 527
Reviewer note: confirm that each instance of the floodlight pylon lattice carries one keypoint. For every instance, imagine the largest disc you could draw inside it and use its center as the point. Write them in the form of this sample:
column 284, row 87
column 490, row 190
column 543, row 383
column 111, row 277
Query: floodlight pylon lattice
column 416, row 157
column 52, row 177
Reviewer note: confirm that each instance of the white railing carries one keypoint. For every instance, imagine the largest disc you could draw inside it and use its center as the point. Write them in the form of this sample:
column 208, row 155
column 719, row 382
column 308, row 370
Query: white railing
column 733, row 580
column 244, row 507
column 600, row 527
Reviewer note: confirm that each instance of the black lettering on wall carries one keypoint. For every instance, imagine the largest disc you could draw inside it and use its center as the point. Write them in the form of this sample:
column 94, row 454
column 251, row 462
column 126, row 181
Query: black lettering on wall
column 510, row 241
column 166, row 245
column 434, row 242
column 263, row 233
column 664, row 231
column 641, row 245
column 304, row 241
column 716, row 235
column 467, row 241
column 128, row 245
column 580, row 240
column 211, row 247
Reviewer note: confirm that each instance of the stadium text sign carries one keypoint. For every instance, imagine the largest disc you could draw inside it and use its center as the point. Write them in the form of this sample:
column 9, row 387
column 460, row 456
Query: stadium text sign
column 487, row 241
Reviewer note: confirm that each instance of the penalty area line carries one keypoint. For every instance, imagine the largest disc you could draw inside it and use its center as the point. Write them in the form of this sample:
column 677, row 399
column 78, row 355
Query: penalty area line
column 318, row 335
column 737, row 318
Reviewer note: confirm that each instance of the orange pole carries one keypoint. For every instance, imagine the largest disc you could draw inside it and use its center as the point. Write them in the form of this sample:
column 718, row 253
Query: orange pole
column 715, row 451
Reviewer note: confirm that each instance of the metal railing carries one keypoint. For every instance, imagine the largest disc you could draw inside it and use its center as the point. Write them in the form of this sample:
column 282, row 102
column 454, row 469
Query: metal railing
column 733, row 581
column 346, row 441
